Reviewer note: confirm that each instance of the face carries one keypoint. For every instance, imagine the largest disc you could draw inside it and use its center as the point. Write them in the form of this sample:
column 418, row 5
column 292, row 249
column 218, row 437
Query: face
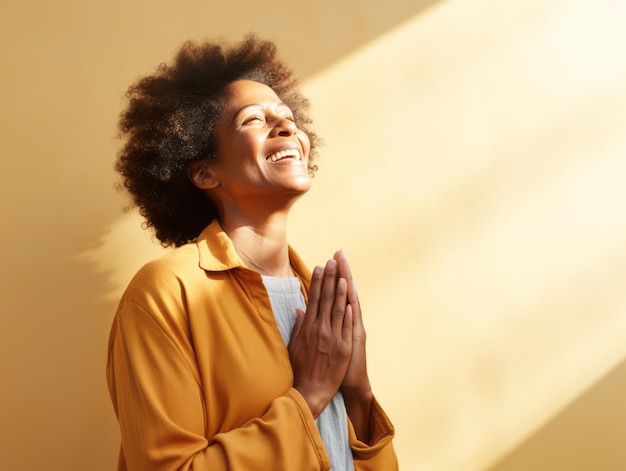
column 260, row 151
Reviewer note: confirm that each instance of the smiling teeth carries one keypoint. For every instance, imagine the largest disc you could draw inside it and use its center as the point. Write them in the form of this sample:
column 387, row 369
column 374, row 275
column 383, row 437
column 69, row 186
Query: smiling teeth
column 284, row 153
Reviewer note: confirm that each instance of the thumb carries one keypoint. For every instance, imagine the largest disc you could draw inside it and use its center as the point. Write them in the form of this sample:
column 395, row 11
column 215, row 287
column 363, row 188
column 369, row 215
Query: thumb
column 299, row 320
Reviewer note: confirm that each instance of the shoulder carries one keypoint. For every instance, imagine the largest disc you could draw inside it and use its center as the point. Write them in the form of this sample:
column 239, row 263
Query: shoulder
column 165, row 278
column 153, row 311
column 157, row 294
column 181, row 262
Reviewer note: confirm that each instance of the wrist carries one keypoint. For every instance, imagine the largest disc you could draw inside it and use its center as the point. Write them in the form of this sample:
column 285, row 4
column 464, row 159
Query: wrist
column 316, row 401
column 361, row 394
column 359, row 406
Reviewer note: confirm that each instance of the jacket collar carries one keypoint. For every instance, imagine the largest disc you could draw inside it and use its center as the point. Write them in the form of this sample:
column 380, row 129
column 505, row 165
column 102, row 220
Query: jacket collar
column 217, row 253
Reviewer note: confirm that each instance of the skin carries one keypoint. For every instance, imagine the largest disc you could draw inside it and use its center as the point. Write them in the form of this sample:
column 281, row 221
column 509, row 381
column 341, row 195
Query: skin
column 254, row 195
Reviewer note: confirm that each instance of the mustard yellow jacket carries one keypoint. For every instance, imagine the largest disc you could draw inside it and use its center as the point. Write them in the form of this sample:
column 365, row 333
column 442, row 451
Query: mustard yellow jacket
column 200, row 378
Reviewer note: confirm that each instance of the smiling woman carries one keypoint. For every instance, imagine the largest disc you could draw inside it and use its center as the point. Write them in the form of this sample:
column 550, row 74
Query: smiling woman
column 170, row 123
column 227, row 353
column 266, row 152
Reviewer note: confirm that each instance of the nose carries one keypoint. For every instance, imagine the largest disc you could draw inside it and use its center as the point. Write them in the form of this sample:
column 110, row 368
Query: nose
column 284, row 127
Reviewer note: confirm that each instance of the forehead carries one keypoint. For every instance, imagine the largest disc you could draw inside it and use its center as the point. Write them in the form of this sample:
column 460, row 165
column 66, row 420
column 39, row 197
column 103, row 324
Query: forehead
column 246, row 92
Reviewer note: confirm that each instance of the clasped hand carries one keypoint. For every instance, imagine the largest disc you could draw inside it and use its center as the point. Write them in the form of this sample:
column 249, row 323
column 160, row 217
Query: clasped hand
column 327, row 346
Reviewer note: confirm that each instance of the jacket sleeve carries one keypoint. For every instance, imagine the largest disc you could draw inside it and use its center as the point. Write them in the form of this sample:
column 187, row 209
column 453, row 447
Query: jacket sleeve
column 158, row 400
column 380, row 455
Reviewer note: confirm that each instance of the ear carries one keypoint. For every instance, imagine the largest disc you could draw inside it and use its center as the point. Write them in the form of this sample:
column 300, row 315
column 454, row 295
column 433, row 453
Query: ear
column 201, row 174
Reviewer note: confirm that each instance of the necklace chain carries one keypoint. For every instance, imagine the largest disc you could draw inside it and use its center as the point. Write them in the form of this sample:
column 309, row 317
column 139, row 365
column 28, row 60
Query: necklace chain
column 264, row 270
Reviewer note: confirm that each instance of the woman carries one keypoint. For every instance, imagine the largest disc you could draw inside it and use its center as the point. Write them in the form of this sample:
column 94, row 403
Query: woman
column 226, row 353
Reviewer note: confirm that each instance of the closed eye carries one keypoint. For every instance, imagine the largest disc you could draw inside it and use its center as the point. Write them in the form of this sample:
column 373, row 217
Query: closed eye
column 254, row 119
column 257, row 114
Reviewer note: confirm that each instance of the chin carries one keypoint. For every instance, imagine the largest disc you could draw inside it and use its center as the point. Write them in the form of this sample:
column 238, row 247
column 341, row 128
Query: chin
column 303, row 184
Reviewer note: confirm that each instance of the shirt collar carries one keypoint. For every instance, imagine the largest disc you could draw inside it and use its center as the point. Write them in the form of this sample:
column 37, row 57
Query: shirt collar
column 217, row 253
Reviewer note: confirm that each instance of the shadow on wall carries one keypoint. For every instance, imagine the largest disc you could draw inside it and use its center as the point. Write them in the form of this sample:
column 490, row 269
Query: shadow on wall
column 577, row 439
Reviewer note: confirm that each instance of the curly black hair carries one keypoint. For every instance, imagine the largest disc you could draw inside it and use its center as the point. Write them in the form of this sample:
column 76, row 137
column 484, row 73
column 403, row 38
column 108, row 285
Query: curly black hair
column 169, row 123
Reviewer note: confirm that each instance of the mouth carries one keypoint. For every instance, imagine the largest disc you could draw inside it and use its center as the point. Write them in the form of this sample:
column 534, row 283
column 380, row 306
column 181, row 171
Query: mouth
column 284, row 154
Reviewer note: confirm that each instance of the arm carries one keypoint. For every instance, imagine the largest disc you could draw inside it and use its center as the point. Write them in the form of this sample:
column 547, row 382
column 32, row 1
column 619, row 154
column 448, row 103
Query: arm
column 159, row 401
column 321, row 366
column 379, row 453
column 371, row 431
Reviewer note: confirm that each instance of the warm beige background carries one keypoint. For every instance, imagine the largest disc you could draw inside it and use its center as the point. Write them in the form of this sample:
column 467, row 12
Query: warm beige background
column 474, row 173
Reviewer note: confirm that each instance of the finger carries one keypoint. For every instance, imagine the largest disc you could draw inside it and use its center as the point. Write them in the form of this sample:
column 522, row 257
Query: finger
column 329, row 288
column 314, row 294
column 353, row 296
column 339, row 308
column 343, row 265
column 340, row 258
column 346, row 332
column 353, row 300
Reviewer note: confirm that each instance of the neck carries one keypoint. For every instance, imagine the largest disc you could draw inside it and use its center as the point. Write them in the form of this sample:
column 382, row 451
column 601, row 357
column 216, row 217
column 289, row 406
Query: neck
column 261, row 243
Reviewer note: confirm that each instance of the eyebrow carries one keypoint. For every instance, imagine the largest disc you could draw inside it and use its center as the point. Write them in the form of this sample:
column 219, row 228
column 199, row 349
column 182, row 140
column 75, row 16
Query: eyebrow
column 260, row 105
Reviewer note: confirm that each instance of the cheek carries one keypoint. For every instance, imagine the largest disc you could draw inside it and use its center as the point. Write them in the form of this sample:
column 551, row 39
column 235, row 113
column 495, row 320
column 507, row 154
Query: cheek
column 249, row 141
column 306, row 143
column 239, row 148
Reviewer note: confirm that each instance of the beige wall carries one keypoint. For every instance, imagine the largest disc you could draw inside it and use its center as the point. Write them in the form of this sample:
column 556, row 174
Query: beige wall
column 473, row 171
